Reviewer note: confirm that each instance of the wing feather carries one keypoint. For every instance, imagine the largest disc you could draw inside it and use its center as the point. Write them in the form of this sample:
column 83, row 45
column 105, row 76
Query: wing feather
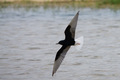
column 59, row 57
column 72, row 25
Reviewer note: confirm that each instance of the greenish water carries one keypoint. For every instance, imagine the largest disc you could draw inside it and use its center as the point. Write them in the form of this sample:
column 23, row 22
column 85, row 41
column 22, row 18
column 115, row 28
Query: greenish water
column 111, row 2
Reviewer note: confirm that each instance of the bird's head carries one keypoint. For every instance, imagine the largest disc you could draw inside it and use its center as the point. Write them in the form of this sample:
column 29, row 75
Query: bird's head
column 61, row 42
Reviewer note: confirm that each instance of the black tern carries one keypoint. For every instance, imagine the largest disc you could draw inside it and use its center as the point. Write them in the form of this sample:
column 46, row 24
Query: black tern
column 67, row 42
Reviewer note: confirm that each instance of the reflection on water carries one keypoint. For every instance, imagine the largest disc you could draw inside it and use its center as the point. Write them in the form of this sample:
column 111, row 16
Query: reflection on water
column 28, row 37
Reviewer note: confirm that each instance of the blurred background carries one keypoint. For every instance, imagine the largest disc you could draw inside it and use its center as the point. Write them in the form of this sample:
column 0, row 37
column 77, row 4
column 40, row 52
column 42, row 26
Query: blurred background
column 30, row 29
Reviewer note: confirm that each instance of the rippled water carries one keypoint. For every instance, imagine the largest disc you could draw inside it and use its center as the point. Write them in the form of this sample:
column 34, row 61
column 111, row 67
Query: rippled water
column 28, row 40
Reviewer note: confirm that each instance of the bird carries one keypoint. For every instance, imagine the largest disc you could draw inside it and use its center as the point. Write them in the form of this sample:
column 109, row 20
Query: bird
column 67, row 42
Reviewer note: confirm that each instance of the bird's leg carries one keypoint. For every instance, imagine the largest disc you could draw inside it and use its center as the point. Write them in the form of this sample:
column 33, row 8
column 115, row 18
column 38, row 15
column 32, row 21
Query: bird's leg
column 77, row 43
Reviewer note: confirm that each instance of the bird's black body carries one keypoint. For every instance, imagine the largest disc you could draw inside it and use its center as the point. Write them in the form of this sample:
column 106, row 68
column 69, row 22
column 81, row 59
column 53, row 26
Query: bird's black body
column 66, row 42
column 68, row 38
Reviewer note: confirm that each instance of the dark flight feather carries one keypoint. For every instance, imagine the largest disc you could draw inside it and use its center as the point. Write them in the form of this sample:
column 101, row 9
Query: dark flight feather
column 59, row 57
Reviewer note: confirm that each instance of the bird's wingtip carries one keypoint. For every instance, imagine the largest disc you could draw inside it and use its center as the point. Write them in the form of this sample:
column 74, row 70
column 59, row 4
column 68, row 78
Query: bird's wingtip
column 52, row 73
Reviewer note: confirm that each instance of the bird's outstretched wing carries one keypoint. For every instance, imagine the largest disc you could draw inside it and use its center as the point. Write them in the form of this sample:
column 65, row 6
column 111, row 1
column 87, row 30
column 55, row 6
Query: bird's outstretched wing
column 70, row 30
column 59, row 57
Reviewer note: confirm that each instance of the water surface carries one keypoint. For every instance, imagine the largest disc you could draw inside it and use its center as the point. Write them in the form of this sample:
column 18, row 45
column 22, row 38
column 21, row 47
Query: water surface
column 28, row 40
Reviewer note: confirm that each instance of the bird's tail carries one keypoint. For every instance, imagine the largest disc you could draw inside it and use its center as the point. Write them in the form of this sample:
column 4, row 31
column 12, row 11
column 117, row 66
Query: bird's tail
column 79, row 43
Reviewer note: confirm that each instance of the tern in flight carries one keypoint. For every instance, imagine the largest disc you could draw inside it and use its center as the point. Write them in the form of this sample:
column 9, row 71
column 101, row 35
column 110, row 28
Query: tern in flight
column 67, row 42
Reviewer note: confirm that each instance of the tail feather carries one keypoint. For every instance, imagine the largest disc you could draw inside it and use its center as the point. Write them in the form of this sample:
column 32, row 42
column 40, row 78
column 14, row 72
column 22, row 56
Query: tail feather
column 79, row 43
